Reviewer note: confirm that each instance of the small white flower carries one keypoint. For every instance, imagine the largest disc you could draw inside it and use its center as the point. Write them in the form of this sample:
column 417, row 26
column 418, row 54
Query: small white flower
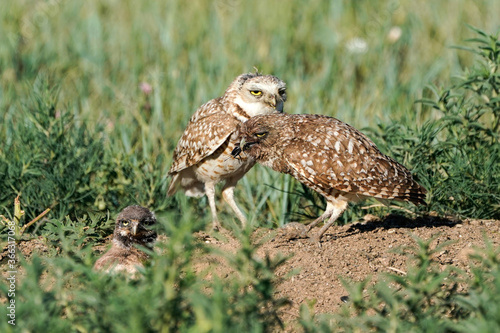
column 394, row 34
column 357, row 45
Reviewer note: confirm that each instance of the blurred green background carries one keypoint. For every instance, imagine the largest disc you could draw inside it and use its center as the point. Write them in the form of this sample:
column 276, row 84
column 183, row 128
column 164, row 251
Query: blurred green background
column 93, row 63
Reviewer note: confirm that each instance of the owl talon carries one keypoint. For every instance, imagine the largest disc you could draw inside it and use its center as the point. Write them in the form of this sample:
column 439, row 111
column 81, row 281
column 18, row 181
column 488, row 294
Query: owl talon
column 316, row 239
column 216, row 226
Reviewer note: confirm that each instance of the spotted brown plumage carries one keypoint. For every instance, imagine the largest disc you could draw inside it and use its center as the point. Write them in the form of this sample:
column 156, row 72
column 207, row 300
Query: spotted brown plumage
column 330, row 157
column 202, row 157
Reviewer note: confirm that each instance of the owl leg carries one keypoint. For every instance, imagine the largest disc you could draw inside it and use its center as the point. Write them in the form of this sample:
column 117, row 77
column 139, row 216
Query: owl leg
column 338, row 207
column 210, row 191
column 228, row 194
column 327, row 213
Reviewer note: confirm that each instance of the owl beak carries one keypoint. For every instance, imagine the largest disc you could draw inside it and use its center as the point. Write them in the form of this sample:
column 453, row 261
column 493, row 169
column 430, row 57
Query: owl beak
column 135, row 226
column 279, row 107
column 277, row 103
column 271, row 101
column 245, row 145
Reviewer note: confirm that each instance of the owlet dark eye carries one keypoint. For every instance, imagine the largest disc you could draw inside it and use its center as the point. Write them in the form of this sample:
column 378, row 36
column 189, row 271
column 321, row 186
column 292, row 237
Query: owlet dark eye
column 256, row 92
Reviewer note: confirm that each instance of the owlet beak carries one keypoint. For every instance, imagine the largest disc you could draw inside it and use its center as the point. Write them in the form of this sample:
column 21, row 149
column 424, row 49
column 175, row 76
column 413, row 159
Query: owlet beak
column 135, row 226
column 271, row 100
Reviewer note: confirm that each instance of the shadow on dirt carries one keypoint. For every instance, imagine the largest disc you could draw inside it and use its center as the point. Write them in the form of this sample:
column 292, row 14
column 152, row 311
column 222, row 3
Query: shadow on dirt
column 395, row 221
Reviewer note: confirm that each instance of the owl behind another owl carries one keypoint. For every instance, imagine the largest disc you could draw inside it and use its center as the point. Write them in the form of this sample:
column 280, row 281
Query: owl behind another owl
column 202, row 157
column 330, row 157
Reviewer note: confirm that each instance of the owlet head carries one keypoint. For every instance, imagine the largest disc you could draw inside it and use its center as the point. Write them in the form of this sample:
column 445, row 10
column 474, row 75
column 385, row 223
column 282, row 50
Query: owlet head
column 259, row 94
column 134, row 226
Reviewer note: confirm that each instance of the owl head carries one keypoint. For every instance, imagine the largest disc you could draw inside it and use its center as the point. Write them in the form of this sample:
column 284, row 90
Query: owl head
column 257, row 94
column 133, row 226
column 257, row 132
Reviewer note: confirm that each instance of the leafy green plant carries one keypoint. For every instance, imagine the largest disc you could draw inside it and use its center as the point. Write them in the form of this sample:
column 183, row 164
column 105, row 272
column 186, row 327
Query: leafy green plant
column 49, row 157
column 53, row 160
column 173, row 295
column 457, row 155
column 480, row 305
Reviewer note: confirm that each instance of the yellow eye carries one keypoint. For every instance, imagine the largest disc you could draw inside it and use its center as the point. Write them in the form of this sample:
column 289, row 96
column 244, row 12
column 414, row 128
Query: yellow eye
column 256, row 92
column 261, row 135
column 124, row 223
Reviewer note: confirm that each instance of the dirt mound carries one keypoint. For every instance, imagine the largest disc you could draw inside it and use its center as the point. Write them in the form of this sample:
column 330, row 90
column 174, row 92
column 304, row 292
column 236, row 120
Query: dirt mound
column 355, row 252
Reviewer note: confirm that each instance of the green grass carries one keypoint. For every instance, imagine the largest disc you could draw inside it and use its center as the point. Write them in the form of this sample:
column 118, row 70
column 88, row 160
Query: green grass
column 79, row 136
column 173, row 295
column 97, row 55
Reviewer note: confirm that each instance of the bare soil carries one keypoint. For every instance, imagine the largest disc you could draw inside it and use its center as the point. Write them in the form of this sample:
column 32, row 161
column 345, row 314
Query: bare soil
column 354, row 252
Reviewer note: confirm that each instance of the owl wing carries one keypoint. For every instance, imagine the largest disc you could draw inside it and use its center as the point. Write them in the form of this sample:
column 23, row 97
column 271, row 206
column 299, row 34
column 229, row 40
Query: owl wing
column 312, row 166
column 207, row 130
column 340, row 157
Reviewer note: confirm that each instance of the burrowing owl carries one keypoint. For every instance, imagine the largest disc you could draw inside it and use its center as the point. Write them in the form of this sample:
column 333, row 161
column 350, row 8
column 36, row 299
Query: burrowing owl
column 330, row 157
column 202, row 157
column 132, row 228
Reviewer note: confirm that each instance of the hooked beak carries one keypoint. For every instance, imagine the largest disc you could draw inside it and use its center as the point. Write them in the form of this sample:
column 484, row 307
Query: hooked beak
column 242, row 144
column 276, row 103
column 245, row 145
column 241, row 147
column 272, row 101
column 279, row 107
column 135, row 226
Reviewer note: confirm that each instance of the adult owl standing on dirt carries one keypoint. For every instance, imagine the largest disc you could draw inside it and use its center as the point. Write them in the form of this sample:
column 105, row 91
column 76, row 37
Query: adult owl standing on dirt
column 330, row 157
column 133, row 227
column 202, row 157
